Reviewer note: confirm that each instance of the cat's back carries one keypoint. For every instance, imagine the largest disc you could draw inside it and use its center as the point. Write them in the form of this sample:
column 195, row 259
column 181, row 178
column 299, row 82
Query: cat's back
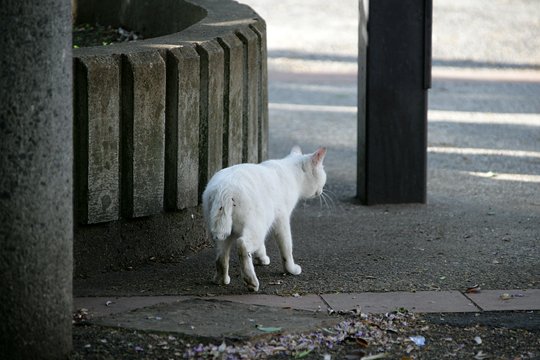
column 240, row 175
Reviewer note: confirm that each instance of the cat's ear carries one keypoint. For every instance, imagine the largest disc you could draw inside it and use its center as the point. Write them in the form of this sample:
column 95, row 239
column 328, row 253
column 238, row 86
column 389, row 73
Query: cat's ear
column 318, row 156
column 296, row 150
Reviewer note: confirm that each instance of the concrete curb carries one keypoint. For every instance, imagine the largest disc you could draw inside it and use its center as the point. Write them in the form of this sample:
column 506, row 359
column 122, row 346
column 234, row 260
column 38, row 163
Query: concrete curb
column 243, row 317
column 418, row 302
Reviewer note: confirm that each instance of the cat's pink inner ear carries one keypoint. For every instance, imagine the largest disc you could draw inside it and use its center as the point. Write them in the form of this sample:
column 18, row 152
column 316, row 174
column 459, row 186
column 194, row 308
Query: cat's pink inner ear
column 296, row 150
column 318, row 156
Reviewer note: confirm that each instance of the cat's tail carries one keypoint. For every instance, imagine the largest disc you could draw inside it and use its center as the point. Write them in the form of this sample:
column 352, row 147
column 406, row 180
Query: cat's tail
column 221, row 216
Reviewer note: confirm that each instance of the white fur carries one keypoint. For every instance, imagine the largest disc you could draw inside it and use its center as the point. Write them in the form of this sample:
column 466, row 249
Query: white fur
column 242, row 204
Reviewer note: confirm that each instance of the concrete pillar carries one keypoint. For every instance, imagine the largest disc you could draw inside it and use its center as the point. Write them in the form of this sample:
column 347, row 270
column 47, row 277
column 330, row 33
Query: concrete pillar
column 36, row 221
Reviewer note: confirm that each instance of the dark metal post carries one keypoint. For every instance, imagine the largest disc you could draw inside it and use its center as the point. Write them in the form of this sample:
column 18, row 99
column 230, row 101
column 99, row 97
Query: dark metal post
column 394, row 67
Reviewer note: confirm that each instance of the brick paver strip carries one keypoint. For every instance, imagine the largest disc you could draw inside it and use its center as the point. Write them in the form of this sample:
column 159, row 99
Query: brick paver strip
column 507, row 300
column 421, row 301
column 306, row 302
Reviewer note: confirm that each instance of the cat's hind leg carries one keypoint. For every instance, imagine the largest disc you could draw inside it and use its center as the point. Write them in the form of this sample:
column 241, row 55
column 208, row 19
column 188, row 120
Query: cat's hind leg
column 260, row 256
column 223, row 250
column 246, row 249
column 282, row 234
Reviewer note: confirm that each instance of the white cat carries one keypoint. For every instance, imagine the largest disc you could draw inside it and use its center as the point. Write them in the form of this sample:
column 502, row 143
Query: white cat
column 242, row 204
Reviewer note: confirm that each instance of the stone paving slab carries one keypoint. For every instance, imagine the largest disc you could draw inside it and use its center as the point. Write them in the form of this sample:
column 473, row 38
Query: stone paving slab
column 306, row 302
column 211, row 318
column 507, row 300
column 107, row 305
column 421, row 301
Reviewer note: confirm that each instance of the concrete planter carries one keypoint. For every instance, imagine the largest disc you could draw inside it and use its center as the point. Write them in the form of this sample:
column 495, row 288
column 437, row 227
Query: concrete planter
column 155, row 119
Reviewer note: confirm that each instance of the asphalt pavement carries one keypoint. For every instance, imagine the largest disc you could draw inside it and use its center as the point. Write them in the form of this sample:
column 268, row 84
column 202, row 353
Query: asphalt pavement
column 480, row 226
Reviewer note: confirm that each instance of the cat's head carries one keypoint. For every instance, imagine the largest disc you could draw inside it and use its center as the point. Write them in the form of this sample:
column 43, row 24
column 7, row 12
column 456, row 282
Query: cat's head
column 314, row 176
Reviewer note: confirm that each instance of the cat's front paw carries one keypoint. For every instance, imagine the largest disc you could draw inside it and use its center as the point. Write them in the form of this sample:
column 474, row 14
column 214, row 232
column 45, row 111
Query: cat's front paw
column 222, row 280
column 294, row 269
column 252, row 284
column 264, row 260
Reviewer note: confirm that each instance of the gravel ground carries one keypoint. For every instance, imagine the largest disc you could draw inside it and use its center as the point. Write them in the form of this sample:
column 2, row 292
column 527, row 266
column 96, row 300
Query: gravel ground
column 388, row 336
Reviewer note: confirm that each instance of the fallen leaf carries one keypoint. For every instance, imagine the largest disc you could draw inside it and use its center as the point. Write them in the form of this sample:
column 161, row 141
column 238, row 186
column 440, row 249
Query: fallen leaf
column 375, row 357
column 355, row 311
column 303, row 354
column 329, row 331
column 268, row 329
column 481, row 355
column 473, row 289
column 362, row 342
column 505, row 296
column 80, row 316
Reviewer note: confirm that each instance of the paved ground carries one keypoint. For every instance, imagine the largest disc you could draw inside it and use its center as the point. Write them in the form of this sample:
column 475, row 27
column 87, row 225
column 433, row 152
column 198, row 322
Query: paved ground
column 481, row 225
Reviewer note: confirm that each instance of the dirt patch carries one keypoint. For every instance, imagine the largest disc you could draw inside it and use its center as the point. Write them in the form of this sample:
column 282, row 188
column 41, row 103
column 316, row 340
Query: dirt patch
column 86, row 35
column 389, row 336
